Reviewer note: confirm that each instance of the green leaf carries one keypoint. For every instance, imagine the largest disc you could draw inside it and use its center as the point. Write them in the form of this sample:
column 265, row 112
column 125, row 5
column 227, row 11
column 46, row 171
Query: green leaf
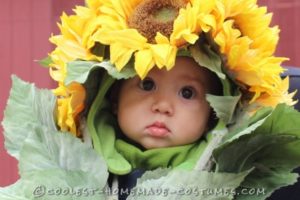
column 224, row 106
column 45, row 62
column 13, row 192
column 263, row 185
column 79, row 71
column 98, row 49
column 183, row 52
column 180, row 184
column 284, row 120
column 56, row 184
column 26, row 109
column 155, row 174
column 271, row 129
column 56, row 150
column 46, row 156
column 228, row 87
column 59, row 184
column 207, row 58
column 271, row 145
column 246, row 124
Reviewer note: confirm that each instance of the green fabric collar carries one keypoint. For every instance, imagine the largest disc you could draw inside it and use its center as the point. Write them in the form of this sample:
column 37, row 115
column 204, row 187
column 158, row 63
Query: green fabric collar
column 184, row 156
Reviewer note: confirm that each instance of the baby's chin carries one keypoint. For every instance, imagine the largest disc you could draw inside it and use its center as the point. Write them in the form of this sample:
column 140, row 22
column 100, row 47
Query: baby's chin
column 153, row 143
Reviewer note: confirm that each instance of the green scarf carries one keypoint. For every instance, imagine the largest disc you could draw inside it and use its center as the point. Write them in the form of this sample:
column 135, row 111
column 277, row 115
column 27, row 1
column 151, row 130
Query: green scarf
column 184, row 156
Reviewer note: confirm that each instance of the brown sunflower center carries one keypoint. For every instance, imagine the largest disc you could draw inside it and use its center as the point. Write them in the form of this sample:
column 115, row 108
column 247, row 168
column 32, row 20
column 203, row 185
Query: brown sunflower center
column 152, row 16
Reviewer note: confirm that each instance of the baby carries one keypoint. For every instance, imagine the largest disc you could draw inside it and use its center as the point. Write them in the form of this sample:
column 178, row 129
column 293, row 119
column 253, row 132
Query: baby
column 167, row 108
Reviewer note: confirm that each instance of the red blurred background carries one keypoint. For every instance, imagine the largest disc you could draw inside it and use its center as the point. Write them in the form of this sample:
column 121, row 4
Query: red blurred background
column 26, row 26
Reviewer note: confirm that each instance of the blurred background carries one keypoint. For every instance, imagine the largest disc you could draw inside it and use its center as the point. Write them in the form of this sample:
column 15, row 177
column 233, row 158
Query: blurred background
column 26, row 26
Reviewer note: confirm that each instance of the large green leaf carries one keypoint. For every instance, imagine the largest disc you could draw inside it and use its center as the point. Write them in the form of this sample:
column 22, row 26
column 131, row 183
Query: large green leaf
column 26, row 109
column 46, row 156
column 78, row 71
column 224, row 106
column 15, row 191
column 272, row 147
column 64, row 185
column 57, row 185
column 246, row 124
column 259, row 185
column 181, row 184
column 206, row 57
column 56, row 150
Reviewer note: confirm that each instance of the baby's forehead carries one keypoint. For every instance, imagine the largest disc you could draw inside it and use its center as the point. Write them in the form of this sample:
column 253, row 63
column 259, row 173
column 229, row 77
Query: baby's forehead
column 184, row 74
column 185, row 68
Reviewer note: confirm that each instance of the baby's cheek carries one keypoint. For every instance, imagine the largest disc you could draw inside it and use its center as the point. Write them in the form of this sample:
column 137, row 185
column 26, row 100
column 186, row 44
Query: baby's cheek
column 194, row 125
column 123, row 119
column 128, row 120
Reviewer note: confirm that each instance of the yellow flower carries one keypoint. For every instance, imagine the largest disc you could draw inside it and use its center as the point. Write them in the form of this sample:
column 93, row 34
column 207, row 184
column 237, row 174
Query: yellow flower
column 262, row 75
column 245, row 38
column 178, row 22
column 252, row 21
column 69, row 104
column 196, row 17
column 94, row 4
column 278, row 95
column 75, row 42
column 228, row 36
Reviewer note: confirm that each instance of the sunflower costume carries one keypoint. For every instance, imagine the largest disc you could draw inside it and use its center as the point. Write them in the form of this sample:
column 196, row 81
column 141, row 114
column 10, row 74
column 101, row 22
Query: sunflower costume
column 66, row 139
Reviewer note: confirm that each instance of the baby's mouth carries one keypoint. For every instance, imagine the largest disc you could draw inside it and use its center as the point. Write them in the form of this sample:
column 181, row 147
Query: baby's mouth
column 158, row 129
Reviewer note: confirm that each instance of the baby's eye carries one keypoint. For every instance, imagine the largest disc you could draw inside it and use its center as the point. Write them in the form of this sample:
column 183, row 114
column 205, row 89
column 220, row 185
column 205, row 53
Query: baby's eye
column 147, row 84
column 187, row 92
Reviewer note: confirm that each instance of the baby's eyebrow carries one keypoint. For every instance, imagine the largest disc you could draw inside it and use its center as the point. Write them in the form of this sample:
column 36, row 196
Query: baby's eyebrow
column 190, row 78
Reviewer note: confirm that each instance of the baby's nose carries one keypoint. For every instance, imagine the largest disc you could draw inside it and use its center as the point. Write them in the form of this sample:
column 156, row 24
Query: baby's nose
column 163, row 105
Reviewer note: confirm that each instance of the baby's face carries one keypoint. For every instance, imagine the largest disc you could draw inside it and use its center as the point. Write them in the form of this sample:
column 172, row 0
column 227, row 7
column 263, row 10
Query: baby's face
column 167, row 108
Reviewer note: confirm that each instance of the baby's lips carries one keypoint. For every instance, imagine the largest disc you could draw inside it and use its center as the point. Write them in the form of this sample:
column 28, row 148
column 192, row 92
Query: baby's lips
column 158, row 129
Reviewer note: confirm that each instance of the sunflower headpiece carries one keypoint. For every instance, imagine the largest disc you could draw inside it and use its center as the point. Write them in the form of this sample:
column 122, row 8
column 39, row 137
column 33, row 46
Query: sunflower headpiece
column 232, row 38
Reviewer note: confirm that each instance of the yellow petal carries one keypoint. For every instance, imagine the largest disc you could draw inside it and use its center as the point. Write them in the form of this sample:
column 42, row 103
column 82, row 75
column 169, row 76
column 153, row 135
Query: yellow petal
column 94, row 4
column 171, row 58
column 249, row 77
column 143, row 62
column 70, row 48
column 190, row 38
column 120, row 55
column 207, row 22
column 278, row 95
column 206, row 6
column 62, row 114
column 56, row 74
column 61, row 90
column 161, row 39
column 186, row 28
column 164, row 55
column 129, row 38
